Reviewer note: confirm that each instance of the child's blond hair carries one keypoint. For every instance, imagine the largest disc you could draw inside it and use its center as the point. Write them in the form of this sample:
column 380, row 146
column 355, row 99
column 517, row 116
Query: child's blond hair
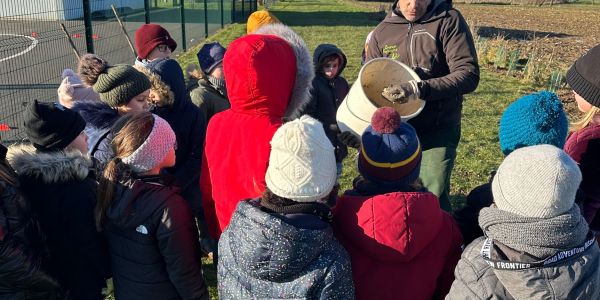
column 585, row 120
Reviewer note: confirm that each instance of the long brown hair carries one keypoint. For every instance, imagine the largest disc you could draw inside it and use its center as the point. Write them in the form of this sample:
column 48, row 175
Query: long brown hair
column 129, row 132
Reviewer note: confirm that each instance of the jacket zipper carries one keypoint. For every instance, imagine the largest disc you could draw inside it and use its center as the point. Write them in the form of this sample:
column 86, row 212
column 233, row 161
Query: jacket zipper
column 409, row 44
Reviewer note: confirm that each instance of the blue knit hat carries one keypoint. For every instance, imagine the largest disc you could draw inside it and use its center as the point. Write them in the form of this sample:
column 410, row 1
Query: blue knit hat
column 533, row 119
column 390, row 153
column 210, row 56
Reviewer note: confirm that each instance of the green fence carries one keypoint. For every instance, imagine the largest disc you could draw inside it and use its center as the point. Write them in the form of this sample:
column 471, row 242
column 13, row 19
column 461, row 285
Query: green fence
column 38, row 39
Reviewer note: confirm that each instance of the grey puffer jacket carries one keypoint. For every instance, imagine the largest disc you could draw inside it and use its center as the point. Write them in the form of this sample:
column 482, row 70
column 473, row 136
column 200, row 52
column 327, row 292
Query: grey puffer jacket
column 574, row 277
column 263, row 257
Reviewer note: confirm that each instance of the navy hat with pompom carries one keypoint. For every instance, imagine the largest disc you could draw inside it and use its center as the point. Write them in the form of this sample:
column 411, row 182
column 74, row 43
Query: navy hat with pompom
column 390, row 154
column 534, row 119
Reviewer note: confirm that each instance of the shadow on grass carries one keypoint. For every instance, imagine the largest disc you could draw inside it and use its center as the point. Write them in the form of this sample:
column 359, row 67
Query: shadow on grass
column 517, row 34
column 328, row 18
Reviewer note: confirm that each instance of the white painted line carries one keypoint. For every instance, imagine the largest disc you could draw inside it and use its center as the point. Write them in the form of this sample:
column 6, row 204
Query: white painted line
column 33, row 44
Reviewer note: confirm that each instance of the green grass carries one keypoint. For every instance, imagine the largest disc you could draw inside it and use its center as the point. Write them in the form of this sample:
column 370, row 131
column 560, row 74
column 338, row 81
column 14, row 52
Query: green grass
column 346, row 25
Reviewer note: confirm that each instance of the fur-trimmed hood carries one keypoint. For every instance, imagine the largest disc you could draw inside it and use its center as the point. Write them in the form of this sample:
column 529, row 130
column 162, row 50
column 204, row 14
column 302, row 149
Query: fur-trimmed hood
column 50, row 167
column 96, row 113
column 305, row 71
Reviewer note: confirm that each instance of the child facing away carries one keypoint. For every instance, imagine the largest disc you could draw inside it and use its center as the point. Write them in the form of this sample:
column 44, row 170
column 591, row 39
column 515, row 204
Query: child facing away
column 56, row 178
column 281, row 245
column 328, row 91
column 583, row 144
column 401, row 243
column 537, row 245
column 152, row 238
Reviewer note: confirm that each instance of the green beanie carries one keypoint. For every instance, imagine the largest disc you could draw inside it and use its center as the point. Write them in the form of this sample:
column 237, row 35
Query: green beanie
column 117, row 85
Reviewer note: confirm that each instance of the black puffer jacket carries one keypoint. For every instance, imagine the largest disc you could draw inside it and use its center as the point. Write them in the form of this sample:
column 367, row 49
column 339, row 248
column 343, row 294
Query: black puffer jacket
column 189, row 125
column 21, row 275
column 327, row 95
column 62, row 192
column 153, row 243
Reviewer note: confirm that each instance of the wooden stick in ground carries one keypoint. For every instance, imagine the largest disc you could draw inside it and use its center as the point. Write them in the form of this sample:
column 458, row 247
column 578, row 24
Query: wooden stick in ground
column 64, row 29
column 123, row 29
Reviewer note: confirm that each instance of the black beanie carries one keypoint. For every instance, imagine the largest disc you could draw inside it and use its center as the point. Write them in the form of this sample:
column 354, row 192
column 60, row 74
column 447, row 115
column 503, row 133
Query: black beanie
column 583, row 77
column 51, row 126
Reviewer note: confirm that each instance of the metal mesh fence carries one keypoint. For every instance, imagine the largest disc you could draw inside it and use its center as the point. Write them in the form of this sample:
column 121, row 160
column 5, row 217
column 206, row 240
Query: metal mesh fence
column 35, row 46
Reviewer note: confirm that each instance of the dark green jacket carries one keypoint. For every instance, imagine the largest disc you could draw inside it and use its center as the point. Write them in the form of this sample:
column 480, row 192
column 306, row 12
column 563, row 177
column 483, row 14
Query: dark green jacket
column 207, row 98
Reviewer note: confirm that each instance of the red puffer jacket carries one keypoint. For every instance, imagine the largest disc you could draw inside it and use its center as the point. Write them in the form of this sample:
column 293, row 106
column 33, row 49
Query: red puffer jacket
column 402, row 245
column 584, row 147
column 260, row 71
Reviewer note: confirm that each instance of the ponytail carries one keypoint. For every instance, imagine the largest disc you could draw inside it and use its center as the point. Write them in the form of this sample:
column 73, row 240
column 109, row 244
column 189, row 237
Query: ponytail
column 114, row 171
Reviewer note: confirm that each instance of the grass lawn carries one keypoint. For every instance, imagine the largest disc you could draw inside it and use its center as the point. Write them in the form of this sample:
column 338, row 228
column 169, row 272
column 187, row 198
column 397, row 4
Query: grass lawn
column 345, row 24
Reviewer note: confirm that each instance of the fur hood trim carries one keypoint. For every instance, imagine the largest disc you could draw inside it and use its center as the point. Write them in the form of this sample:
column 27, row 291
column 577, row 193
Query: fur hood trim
column 50, row 167
column 96, row 113
column 305, row 71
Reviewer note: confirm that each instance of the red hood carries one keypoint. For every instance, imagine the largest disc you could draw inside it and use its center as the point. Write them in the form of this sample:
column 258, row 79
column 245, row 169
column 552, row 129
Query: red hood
column 260, row 71
column 390, row 227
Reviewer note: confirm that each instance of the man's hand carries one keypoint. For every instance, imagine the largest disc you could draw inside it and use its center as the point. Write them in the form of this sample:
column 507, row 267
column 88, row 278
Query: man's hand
column 349, row 139
column 401, row 92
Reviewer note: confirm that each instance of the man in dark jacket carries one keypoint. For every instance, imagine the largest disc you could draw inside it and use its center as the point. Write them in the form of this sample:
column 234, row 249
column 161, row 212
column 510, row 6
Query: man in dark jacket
column 434, row 39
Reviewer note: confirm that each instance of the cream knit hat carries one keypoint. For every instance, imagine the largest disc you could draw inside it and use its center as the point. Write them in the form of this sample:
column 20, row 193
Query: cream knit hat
column 302, row 163
column 537, row 181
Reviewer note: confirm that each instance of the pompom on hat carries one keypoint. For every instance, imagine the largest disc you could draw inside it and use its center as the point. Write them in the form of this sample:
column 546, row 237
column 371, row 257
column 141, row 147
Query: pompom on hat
column 583, row 76
column 538, row 181
column 154, row 149
column 302, row 161
column 533, row 119
column 72, row 89
column 390, row 153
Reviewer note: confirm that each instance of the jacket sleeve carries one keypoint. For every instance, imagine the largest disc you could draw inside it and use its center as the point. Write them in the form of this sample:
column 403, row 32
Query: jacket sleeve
column 312, row 104
column 208, row 203
column 178, row 244
column 461, row 58
column 469, row 276
column 373, row 50
column 189, row 173
column 90, row 261
column 338, row 281
column 197, row 98
column 447, row 276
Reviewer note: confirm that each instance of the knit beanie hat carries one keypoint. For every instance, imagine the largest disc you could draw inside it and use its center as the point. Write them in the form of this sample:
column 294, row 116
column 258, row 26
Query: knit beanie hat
column 210, row 56
column 533, row 119
column 117, row 85
column 51, row 126
column 583, row 77
column 302, row 161
column 390, row 154
column 154, row 149
column 72, row 89
column 537, row 181
column 258, row 19
column 149, row 36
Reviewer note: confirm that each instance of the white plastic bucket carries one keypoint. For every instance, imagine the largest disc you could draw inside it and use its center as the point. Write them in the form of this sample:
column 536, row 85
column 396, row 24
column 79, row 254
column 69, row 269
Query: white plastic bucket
column 354, row 114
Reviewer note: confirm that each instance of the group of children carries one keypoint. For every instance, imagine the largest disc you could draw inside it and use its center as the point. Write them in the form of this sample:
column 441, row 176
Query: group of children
column 134, row 176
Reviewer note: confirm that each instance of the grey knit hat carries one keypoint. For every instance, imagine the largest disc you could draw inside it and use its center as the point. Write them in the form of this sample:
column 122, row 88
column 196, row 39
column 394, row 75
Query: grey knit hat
column 118, row 84
column 537, row 181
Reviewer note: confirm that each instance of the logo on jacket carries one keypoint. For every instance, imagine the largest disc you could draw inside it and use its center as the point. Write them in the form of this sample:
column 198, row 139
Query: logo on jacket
column 391, row 51
column 142, row 229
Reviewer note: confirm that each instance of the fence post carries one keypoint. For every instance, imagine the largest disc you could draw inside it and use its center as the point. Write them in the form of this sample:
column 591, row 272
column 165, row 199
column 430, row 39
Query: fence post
column 183, row 38
column 87, row 22
column 233, row 11
column 243, row 9
column 147, row 11
column 222, row 13
column 205, row 19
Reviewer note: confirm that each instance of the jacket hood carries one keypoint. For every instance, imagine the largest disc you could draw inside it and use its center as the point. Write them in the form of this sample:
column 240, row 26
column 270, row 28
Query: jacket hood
column 50, row 167
column 392, row 227
column 437, row 9
column 304, row 69
column 96, row 113
column 325, row 50
column 571, row 276
column 172, row 75
column 272, row 249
